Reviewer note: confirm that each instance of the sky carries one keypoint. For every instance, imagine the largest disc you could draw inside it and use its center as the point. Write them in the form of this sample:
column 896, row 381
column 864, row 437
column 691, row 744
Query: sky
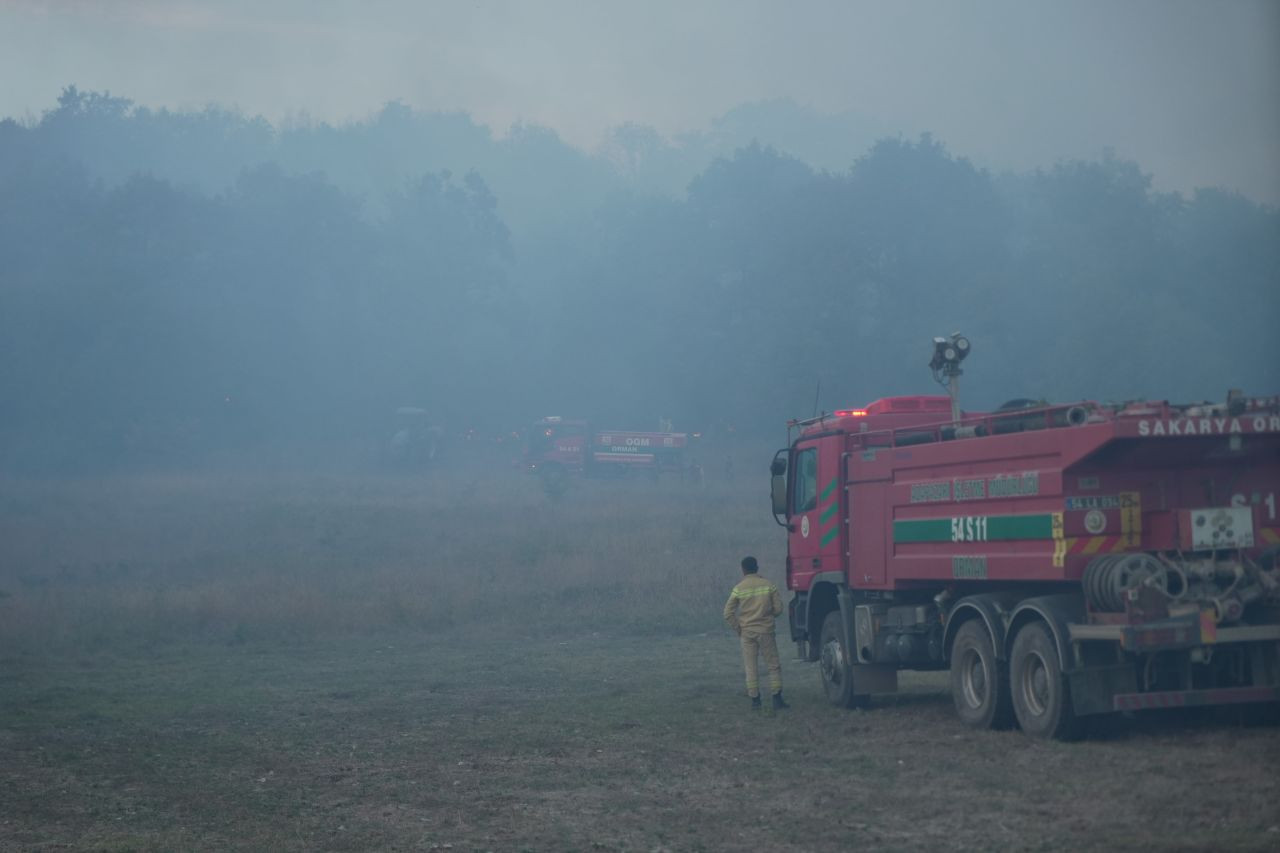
column 1189, row 90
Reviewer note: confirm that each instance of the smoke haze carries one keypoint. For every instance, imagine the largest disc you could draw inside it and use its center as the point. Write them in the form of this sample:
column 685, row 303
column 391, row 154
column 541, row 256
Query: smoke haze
column 228, row 226
column 1188, row 89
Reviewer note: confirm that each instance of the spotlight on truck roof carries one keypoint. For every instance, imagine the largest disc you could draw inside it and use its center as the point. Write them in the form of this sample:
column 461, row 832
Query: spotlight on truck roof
column 947, row 355
column 949, row 352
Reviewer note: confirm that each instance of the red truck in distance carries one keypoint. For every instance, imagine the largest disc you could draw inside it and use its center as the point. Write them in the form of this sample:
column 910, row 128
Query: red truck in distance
column 1060, row 561
column 561, row 447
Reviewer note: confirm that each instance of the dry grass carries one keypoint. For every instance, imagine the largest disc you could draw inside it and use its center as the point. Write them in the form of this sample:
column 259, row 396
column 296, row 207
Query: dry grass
column 506, row 741
column 157, row 559
column 310, row 663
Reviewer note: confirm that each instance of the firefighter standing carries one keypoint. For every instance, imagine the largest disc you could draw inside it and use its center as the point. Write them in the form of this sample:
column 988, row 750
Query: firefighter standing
column 750, row 612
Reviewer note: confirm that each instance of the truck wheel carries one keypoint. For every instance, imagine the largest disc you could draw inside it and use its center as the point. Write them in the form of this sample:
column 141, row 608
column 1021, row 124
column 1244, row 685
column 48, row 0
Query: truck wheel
column 979, row 682
column 836, row 666
column 1041, row 696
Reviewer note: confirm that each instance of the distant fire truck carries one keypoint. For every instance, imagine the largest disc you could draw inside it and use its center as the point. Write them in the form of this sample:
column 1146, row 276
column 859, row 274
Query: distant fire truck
column 1060, row 561
column 559, row 447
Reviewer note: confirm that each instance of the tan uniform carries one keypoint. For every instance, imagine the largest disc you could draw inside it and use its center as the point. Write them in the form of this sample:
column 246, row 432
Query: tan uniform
column 750, row 611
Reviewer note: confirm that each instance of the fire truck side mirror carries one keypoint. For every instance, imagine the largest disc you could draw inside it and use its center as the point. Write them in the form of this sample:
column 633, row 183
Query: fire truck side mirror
column 779, row 490
column 778, row 485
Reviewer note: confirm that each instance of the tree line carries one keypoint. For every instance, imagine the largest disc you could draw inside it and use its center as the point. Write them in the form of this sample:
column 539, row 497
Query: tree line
column 178, row 283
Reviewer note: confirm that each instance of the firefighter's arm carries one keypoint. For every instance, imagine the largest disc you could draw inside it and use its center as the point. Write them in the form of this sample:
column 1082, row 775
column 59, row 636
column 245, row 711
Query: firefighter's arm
column 731, row 613
column 777, row 602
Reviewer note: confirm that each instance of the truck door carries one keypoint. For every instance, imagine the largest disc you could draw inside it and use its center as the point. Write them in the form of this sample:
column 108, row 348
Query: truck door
column 816, row 519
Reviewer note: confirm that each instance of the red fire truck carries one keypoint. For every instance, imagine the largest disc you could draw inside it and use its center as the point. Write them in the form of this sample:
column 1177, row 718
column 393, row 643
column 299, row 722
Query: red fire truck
column 559, row 447
column 1060, row 560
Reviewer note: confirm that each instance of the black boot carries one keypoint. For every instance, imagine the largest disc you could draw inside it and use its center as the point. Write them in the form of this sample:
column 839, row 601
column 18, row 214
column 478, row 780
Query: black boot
column 755, row 703
column 778, row 702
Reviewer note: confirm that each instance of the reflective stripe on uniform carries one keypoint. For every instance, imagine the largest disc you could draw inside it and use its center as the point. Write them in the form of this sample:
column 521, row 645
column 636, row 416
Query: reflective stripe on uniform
column 752, row 592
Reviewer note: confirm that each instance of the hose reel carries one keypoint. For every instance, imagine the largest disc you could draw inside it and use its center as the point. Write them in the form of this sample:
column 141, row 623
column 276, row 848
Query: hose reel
column 1108, row 579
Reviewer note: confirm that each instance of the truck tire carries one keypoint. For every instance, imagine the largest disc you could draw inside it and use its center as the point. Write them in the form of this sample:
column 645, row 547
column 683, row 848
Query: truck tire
column 1041, row 695
column 979, row 682
column 836, row 666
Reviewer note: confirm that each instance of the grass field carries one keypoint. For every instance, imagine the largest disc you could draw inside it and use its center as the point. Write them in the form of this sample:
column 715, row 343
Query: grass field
column 352, row 663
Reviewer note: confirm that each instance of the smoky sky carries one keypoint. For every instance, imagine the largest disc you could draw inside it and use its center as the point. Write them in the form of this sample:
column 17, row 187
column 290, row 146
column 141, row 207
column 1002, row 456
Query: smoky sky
column 1189, row 90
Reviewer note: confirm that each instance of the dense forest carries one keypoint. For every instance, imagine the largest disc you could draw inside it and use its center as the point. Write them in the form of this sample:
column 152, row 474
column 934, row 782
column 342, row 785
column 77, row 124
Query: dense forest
column 179, row 283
